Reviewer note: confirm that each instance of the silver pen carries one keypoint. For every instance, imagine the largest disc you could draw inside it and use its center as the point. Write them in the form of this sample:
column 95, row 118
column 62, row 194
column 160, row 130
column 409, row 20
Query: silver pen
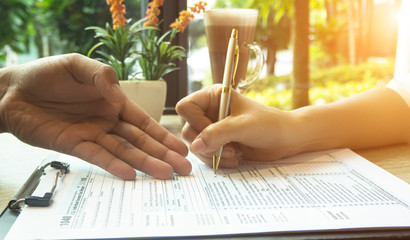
column 231, row 63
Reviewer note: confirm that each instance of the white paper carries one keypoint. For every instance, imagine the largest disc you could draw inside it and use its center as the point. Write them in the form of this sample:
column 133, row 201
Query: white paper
column 330, row 190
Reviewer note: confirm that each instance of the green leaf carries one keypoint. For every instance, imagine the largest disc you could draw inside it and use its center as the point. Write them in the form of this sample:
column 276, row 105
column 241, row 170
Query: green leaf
column 99, row 32
column 93, row 48
column 163, row 37
column 168, row 70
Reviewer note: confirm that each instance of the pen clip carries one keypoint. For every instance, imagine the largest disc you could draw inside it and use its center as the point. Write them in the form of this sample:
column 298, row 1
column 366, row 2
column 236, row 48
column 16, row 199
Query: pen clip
column 236, row 61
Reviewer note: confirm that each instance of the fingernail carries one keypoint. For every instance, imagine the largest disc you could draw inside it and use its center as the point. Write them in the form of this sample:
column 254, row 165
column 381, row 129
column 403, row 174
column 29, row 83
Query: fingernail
column 198, row 145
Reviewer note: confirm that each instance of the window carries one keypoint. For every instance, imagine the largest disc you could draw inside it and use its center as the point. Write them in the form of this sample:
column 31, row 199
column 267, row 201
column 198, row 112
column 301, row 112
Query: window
column 177, row 81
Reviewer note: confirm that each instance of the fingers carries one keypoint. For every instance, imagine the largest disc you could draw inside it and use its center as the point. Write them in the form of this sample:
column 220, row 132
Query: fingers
column 142, row 141
column 229, row 158
column 136, row 116
column 200, row 111
column 199, row 130
column 120, row 157
column 135, row 157
column 201, row 108
column 150, row 137
column 214, row 136
column 97, row 155
column 189, row 133
column 150, row 141
column 230, row 155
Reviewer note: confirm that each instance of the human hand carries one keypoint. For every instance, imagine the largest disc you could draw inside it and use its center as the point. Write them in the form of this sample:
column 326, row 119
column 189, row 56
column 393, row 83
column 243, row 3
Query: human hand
column 252, row 131
column 73, row 104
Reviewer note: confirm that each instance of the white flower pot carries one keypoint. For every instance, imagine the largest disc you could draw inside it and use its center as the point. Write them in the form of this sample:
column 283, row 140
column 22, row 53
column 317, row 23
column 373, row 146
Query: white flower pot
column 149, row 95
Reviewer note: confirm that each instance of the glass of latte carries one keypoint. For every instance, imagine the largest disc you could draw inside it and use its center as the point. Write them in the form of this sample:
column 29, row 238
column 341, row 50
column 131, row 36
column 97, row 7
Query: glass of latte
column 218, row 27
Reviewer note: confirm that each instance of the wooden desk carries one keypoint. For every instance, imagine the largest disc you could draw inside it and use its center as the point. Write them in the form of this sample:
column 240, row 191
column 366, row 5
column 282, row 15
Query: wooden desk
column 18, row 160
column 394, row 159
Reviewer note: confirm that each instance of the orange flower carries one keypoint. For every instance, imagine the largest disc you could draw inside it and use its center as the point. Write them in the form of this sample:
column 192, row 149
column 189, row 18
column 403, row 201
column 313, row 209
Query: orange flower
column 118, row 11
column 198, row 7
column 185, row 16
column 152, row 13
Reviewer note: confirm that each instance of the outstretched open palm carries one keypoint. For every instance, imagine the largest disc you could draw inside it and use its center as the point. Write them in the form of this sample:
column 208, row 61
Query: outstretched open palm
column 74, row 105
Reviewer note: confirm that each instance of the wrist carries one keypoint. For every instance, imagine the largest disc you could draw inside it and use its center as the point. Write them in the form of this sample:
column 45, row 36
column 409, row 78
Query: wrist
column 311, row 130
column 287, row 132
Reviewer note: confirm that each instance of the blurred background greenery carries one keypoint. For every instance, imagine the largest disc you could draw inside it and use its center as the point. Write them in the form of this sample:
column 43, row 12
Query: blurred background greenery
column 351, row 44
column 326, row 85
column 352, row 47
column 40, row 28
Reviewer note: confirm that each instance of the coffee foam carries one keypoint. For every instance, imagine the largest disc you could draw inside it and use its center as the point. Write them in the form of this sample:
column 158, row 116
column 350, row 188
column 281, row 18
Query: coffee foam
column 223, row 17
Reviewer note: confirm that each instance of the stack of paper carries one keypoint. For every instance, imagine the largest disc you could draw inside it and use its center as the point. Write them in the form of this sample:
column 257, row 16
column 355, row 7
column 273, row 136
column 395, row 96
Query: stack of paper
column 330, row 190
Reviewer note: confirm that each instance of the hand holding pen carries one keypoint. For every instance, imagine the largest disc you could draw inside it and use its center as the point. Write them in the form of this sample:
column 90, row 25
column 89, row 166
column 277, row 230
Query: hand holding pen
column 231, row 64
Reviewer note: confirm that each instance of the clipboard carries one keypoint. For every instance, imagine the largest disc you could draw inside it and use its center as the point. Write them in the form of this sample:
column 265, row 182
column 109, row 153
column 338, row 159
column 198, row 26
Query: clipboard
column 25, row 194
column 8, row 217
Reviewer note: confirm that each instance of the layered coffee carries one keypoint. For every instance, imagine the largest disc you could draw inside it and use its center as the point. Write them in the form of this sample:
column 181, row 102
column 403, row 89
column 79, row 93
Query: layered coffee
column 218, row 26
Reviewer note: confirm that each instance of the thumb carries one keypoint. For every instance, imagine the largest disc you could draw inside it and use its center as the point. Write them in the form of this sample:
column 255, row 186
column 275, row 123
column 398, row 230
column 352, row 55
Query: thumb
column 110, row 91
column 214, row 136
column 106, row 81
column 94, row 73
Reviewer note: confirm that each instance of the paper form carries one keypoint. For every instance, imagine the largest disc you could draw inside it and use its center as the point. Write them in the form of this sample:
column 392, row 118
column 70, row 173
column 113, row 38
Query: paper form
column 330, row 190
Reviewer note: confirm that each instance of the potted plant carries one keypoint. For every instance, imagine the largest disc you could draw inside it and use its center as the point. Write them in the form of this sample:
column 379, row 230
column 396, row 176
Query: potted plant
column 137, row 49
